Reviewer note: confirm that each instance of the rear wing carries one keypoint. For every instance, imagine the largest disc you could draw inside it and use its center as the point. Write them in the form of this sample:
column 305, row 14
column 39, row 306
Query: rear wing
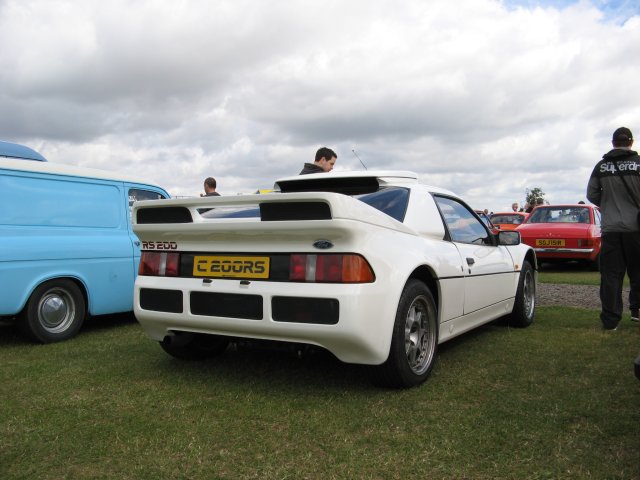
column 255, row 212
column 348, row 183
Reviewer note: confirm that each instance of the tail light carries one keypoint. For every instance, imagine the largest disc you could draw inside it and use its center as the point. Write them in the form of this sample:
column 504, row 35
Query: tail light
column 588, row 242
column 159, row 264
column 333, row 268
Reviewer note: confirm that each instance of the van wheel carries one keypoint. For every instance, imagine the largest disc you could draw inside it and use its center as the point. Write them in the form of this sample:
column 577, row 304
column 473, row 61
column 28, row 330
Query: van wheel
column 55, row 312
column 194, row 346
column 414, row 342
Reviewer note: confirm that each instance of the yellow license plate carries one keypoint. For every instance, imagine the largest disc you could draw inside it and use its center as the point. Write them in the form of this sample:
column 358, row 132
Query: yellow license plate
column 550, row 242
column 222, row 266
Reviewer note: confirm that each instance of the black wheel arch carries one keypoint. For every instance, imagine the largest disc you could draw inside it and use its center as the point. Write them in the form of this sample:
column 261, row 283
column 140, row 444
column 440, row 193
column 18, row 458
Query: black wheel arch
column 532, row 259
column 425, row 274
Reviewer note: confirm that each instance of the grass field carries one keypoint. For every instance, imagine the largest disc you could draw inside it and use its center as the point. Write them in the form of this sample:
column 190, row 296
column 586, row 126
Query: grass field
column 557, row 400
column 571, row 273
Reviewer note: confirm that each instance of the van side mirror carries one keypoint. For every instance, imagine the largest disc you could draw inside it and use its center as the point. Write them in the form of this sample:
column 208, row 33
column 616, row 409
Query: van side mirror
column 508, row 237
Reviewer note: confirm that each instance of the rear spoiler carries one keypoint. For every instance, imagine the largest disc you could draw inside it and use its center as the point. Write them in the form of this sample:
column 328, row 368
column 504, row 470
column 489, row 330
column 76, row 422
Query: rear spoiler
column 275, row 207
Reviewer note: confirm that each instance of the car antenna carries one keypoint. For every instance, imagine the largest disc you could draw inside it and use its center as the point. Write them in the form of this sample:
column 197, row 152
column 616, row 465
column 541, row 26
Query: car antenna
column 354, row 152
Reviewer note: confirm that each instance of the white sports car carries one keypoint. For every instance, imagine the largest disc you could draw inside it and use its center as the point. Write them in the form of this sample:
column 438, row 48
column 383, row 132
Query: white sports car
column 372, row 266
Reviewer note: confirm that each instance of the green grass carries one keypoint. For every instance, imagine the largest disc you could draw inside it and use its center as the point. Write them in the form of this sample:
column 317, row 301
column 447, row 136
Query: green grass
column 556, row 400
column 571, row 273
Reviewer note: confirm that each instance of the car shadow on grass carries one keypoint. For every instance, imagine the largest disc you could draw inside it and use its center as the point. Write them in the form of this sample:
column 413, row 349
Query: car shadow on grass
column 282, row 366
column 273, row 365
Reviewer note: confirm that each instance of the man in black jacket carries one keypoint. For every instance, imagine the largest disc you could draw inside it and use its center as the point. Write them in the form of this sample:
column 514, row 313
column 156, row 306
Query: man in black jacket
column 620, row 230
column 210, row 185
column 324, row 162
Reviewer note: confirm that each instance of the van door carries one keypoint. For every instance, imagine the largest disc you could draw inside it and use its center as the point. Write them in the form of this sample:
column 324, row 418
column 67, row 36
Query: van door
column 137, row 193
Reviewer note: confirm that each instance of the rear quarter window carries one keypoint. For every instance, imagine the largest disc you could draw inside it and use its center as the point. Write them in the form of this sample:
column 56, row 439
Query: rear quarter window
column 391, row 200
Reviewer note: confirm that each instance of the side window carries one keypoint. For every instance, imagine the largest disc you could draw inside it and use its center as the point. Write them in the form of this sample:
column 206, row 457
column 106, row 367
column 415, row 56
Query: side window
column 461, row 223
column 137, row 194
column 596, row 215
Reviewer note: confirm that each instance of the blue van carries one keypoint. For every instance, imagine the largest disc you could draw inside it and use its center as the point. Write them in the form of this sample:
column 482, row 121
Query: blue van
column 67, row 249
column 22, row 152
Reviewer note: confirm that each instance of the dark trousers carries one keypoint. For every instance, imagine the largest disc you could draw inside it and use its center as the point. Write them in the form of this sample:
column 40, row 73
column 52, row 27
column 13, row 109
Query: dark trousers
column 620, row 253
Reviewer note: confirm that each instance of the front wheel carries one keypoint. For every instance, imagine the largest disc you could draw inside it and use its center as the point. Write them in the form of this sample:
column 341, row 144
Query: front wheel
column 414, row 342
column 524, row 308
column 194, row 346
column 55, row 311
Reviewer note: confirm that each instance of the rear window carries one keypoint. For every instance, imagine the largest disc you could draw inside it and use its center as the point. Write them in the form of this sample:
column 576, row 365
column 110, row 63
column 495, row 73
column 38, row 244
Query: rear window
column 390, row 200
column 512, row 219
column 560, row 215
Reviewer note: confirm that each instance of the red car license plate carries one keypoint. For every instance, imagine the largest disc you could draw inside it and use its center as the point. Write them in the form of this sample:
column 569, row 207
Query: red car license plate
column 550, row 242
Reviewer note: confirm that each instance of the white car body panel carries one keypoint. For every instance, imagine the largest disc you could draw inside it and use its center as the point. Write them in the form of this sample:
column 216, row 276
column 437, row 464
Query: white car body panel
column 468, row 295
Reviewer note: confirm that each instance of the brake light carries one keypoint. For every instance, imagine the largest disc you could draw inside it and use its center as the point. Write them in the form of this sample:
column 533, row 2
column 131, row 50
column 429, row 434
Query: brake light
column 331, row 268
column 159, row 264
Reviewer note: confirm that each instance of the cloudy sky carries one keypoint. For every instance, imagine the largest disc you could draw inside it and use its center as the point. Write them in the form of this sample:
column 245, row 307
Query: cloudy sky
column 483, row 97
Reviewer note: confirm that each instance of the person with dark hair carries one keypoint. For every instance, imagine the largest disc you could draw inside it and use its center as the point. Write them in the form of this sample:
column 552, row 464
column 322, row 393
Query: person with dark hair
column 324, row 162
column 210, row 188
column 614, row 186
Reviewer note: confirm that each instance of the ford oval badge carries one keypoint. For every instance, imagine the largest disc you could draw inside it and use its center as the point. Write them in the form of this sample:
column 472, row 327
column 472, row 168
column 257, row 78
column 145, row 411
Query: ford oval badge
column 323, row 244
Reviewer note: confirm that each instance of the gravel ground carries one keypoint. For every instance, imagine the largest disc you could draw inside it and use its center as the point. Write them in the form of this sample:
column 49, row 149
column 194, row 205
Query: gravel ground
column 584, row 296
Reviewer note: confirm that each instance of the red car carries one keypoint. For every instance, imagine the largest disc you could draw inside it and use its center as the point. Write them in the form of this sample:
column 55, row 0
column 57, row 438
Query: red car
column 508, row 220
column 564, row 232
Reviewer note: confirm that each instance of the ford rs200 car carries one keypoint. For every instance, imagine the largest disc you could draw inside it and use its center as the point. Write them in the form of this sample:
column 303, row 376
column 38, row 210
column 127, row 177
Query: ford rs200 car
column 375, row 267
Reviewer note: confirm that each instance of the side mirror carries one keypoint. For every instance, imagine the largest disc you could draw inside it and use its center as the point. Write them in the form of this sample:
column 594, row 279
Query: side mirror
column 508, row 237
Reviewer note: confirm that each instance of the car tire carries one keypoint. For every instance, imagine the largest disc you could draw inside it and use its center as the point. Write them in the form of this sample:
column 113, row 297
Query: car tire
column 194, row 346
column 524, row 308
column 595, row 265
column 414, row 342
column 54, row 312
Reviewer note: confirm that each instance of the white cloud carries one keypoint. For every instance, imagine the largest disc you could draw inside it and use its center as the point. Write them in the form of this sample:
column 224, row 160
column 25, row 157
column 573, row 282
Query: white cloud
column 484, row 97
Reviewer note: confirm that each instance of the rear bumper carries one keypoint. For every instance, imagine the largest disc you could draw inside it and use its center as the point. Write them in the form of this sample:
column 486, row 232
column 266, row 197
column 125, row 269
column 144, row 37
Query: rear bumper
column 353, row 321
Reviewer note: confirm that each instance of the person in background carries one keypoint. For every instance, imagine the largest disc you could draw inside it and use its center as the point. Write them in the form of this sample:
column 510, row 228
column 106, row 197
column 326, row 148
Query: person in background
column 324, row 162
column 514, row 206
column 210, row 188
column 613, row 185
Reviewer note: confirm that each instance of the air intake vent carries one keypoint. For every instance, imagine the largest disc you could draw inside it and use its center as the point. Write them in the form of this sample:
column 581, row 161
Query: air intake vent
column 280, row 211
column 164, row 215
column 347, row 186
